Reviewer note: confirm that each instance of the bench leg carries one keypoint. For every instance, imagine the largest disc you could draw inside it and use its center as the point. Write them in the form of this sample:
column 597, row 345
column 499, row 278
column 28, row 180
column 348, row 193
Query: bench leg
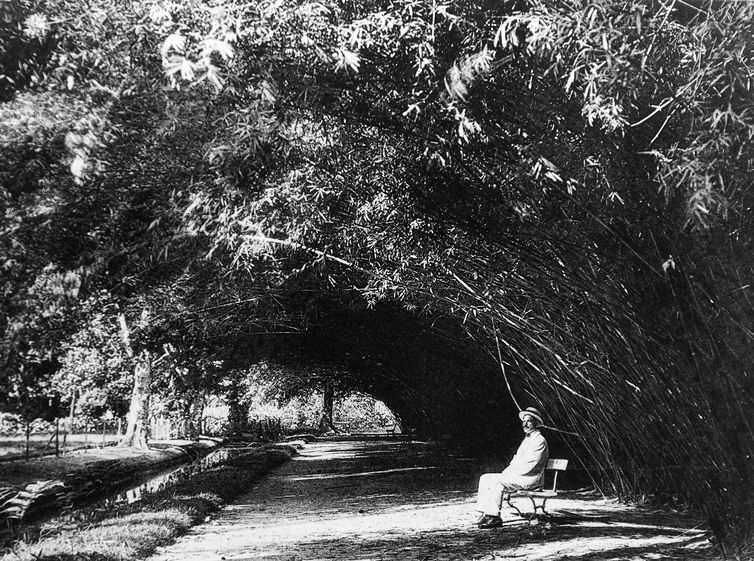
column 544, row 502
column 514, row 507
column 536, row 507
column 540, row 507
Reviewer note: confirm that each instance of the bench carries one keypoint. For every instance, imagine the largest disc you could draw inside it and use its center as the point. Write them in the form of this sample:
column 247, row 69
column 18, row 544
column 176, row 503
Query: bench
column 554, row 466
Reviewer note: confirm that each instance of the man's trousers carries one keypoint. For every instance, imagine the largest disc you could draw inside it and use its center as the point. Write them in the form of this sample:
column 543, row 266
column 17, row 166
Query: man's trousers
column 492, row 487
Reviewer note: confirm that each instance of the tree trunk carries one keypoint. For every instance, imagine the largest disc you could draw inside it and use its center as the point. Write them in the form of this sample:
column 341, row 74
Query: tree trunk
column 328, row 402
column 69, row 427
column 200, row 415
column 72, row 410
column 193, row 416
column 138, row 412
column 238, row 416
column 28, row 436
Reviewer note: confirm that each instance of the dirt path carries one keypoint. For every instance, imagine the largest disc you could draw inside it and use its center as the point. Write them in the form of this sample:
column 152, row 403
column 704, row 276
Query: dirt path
column 364, row 500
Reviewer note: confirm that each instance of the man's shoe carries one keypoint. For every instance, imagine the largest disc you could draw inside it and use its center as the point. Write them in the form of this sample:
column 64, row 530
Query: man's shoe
column 491, row 522
column 483, row 518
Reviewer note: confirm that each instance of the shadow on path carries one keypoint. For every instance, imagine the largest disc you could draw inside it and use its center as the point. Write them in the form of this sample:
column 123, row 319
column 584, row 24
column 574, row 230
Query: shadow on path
column 363, row 500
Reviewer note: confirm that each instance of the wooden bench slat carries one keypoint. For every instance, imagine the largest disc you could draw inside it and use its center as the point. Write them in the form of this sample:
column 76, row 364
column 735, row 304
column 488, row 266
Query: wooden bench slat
column 535, row 494
column 557, row 464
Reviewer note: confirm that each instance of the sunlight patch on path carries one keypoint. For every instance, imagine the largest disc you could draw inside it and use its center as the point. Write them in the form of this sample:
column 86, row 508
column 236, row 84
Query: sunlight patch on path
column 360, row 474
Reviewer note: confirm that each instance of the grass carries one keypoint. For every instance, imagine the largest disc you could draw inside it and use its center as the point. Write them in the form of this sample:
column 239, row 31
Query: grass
column 130, row 532
column 12, row 447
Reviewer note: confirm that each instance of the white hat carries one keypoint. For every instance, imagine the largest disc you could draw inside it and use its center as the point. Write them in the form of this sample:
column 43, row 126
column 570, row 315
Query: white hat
column 531, row 412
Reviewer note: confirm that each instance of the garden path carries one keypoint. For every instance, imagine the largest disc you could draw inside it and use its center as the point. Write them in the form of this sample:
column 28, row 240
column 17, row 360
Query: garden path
column 386, row 499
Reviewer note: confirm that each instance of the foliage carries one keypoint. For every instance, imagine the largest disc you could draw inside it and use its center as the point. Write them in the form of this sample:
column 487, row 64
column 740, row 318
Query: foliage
column 24, row 45
column 14, row 425
column 95, row 367
column 302, row 410
column 362, row 413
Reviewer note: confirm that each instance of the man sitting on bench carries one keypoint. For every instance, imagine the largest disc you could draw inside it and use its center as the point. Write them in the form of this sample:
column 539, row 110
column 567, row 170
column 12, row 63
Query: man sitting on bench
column 525, row 472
